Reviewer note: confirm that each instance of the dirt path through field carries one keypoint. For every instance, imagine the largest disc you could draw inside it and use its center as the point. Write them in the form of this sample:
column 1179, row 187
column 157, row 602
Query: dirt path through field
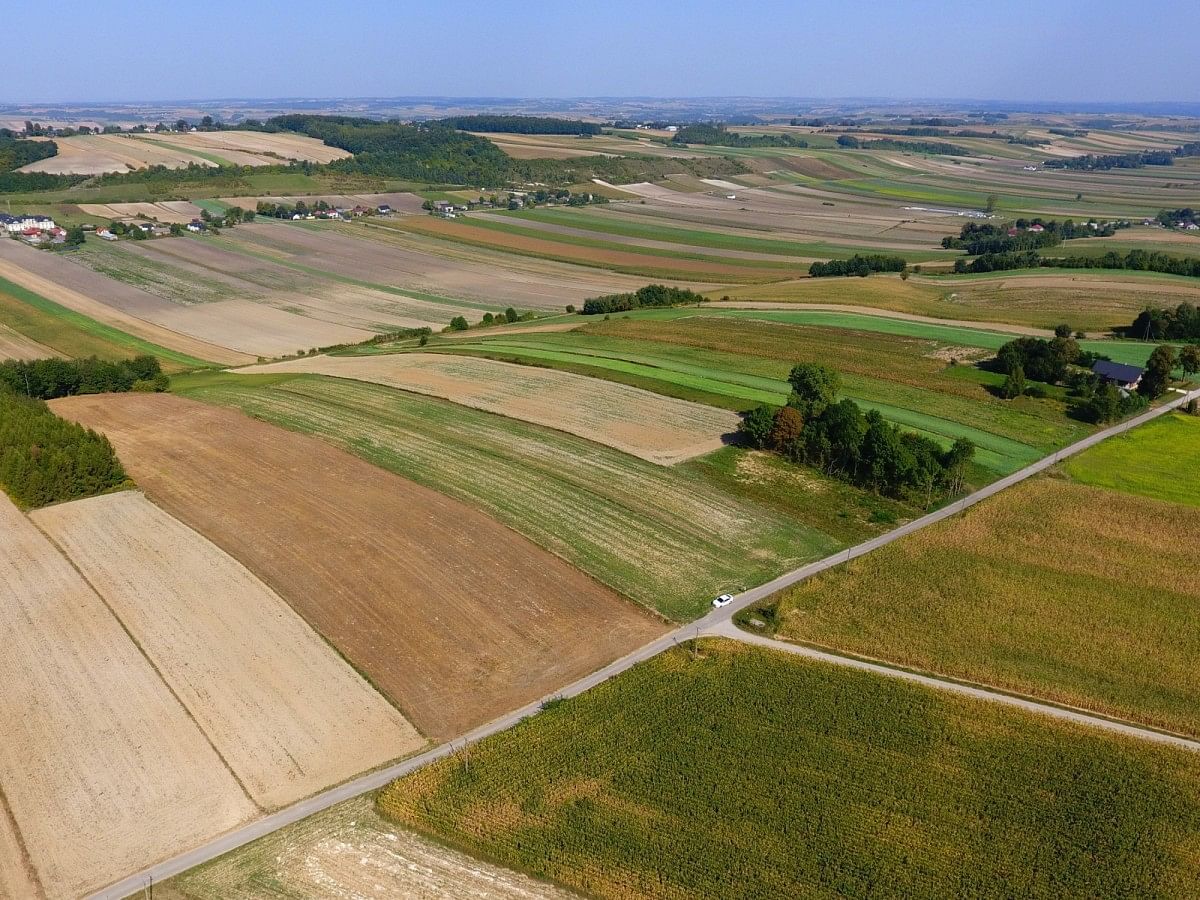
column 453, row 615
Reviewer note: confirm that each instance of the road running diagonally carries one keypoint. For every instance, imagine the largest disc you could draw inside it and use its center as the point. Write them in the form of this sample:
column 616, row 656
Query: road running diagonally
column 718, row 622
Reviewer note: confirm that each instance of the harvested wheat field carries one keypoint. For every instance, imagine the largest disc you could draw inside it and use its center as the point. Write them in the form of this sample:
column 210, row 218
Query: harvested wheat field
column 14, row 345
column 454, row 616
column 350, row 852
column 287, row 714
column 660, row 429
column 103, row 770
column 250, row 148
column 178, row 211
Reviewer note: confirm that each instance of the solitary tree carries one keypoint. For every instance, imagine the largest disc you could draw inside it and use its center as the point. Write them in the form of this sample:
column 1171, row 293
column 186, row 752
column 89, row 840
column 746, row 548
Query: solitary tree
column 1014, row 384
column 1189, row 359
column 1062, row 331
column 1157, row 377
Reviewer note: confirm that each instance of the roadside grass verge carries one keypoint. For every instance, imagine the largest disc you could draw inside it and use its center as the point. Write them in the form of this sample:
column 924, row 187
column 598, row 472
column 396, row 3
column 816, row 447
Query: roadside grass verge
column 699, row 773
column 74, row 334
column 1157, row 460
column 1053, row 589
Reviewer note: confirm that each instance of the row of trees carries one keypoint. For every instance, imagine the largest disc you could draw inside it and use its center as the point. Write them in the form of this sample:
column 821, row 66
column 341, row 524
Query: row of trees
column 45, row 379
column 45, row 459
column 521, row 124
column 717, row 135
column 861, row 265
column 1135, row 160
column 1164, row 324
column 652, row 295
column 934, row 148
column 508, row 317
column 837, row 437
column 15, row 153
column 1134, row 260
column 987, row 237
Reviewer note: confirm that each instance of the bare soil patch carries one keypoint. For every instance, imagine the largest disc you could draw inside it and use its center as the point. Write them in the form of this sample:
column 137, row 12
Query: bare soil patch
column 349, row 852
column 102, row 768
column 659, row 429
column 449, row 613
column 285, row 711
column 14, row 345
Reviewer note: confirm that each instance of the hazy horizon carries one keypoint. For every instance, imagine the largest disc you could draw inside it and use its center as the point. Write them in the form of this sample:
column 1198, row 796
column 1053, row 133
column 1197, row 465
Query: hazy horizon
column 910, row 50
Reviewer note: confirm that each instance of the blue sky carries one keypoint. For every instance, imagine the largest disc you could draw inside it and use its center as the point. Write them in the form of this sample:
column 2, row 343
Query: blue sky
column 1100, row 50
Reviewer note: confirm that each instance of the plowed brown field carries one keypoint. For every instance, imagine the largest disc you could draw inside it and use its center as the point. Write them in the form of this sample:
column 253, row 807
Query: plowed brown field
column 453, row 615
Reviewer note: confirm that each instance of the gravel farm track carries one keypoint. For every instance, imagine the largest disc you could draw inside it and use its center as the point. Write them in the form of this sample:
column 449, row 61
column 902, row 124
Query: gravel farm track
column 452, row 615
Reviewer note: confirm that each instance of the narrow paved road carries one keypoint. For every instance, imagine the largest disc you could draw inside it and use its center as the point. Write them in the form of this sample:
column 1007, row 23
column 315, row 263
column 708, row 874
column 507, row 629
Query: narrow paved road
column 718, row 621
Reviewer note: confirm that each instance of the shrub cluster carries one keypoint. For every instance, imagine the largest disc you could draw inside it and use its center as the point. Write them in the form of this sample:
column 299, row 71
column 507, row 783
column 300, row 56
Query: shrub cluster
column 859, row 264
column 45, row 459
column 46, row 379
column 652, row 295
column 837, row 437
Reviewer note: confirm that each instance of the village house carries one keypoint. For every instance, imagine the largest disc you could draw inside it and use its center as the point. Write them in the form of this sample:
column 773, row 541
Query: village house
column 196, row 226
column 1127, row 378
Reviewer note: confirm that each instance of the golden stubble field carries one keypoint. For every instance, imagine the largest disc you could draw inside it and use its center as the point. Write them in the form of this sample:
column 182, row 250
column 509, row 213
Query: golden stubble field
column 285, row 712
column 101, row 768
column 659, row 429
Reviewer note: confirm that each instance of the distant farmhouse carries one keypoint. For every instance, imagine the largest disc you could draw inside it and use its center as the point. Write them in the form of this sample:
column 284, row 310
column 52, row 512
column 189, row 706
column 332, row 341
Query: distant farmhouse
column 1125, row 377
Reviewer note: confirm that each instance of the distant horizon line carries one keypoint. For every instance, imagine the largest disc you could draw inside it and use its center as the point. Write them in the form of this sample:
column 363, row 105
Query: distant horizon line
column 856, row 98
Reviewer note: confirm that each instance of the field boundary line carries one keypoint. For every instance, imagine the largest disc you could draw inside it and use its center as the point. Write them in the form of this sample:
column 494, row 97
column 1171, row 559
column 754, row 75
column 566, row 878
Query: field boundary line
column 976, row 690
column 26, row 857
column 715, row 619
column 146, row 656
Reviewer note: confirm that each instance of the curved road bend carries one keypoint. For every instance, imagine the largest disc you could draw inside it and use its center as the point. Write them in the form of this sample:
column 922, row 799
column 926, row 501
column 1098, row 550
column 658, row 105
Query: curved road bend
column 719, row 622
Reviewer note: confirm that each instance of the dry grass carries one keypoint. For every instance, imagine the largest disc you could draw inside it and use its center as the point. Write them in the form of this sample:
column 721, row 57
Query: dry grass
column 656, row 428
column 285, row 711
column 102, row 768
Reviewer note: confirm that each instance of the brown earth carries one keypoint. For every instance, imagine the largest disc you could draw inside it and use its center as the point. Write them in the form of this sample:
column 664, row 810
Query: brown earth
column 699, row 268
column 454, row 616
column 14, row 345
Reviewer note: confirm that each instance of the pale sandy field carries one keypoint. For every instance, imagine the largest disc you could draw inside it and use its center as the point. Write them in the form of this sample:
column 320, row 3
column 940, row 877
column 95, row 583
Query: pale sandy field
column 177, row 211
column 660, row 429
column 95, row 154
column 101, row 767
column 286, row 713
column 350, row 853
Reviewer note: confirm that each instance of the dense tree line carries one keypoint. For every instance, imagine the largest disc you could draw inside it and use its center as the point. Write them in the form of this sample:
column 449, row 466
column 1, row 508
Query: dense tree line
column 1157, row 324
column 934, row 148
column 652, row 295
column 837, row 437
column 1134, row 260
column 1135, row 160
column 521, row 124
column 716, row 134
column 45, row 379
column 45, row 459
column 861, row 265
column 989, row 237
column 15, row 153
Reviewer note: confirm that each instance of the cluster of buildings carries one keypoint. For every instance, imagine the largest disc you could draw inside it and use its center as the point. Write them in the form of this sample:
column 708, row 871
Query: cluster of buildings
column 32, row 229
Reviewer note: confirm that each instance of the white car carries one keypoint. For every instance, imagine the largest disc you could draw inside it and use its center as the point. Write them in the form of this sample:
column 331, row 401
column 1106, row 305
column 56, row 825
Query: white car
column 723, row 600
